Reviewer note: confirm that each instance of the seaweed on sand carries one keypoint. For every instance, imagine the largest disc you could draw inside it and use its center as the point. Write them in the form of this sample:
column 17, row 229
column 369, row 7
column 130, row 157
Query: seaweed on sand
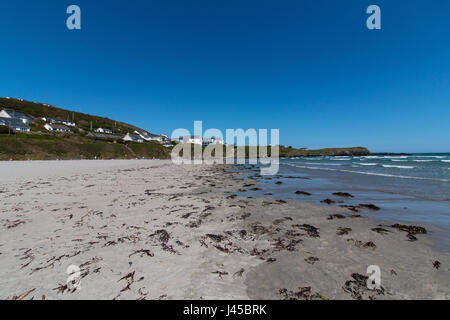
column 343, row 194
column 410, row 229
column 216, row 237
column 436, row 264
column 142, row 252
column 380, row 230
column 337, row 216
column 311, row 260
column 343, row 231
column 304, row 293
column 358, row 287
column 311, row 230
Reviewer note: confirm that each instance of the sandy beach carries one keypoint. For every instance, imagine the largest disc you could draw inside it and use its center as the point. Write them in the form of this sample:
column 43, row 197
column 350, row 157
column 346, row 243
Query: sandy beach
column 149, row 229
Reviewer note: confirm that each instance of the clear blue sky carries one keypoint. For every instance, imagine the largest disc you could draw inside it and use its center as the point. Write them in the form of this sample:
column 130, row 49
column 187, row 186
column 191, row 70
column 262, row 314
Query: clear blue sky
column 310, row 68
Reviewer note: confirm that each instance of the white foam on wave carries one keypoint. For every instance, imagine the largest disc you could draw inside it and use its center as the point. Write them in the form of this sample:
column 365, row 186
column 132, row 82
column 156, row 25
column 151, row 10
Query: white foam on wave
column 445, row 160
column 423, row 160
column 368, row 164
column 395, row 157
column 400, row 167
column 369, row 173
column 324, row 164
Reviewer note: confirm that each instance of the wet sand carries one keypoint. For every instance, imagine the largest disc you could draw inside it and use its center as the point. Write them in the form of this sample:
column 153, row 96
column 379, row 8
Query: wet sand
column 148, row 229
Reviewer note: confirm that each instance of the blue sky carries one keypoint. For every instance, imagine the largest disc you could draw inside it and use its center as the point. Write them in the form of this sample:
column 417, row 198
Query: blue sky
column 309, row 68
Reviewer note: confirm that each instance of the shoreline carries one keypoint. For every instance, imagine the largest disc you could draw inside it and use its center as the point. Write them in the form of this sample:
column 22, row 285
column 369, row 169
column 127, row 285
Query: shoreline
column 147, row 229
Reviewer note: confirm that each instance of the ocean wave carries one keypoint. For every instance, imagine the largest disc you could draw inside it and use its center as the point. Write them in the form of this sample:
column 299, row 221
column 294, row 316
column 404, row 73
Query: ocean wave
column 445, row 160
column 324, row 164
column 368, row 164
column 370, row 173
column 400, row 167
column 437, row 157
column 395, row 157
column 424, row 160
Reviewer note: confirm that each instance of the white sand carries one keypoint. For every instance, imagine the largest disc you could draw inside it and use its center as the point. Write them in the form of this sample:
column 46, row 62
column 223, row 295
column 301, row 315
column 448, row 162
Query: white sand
column 138, row 229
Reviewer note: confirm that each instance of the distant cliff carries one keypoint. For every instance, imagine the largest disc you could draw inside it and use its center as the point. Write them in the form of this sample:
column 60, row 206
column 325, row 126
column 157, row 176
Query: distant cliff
column 354, row 151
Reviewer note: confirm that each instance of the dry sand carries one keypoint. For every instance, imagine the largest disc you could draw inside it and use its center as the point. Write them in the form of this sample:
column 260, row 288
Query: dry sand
column 148, row 229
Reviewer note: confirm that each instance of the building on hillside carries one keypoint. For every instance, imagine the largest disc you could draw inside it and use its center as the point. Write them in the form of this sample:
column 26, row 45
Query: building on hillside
column 11, row 114
column 67, row 122
column 151, row 137
column 133, row 138
column 191, row 139
column 103, row 130
column 56, row 127
column 15, row 124
column 212, row 140
column 167, row 145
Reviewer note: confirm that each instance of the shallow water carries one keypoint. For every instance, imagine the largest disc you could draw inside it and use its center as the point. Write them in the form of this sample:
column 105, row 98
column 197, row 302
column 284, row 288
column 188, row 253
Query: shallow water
column 411, row 189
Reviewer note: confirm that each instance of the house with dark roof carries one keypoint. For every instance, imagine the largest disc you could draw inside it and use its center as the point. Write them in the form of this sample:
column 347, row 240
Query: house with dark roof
column 11, row 114
column 56, row 127
column 103, row 130
column 15, row 124
column 151, row 137
column 133, row 138
column 59, row 121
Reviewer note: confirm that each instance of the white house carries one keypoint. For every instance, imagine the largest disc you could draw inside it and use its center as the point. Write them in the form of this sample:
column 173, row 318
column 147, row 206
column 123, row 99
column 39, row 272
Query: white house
column 67, row 122
column 167, row 145
column 151, row 137
column 133, row 138
column 15, row 124
column 56, row 127
column 11, row 114
column 191, row 139
column 103, row 130
column 212, row 140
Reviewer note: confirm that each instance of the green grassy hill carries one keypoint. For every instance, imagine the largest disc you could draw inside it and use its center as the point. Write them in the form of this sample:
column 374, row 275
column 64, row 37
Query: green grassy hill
column 37, row 110
column 41, row 144
column 354, row 151
column 23, row 146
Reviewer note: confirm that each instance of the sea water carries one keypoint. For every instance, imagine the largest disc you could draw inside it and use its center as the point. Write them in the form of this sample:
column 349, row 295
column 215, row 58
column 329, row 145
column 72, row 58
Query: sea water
column 413, row 189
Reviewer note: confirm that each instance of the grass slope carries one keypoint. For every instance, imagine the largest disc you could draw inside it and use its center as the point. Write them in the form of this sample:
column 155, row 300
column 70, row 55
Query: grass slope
column 37, row 110
column 68, row 146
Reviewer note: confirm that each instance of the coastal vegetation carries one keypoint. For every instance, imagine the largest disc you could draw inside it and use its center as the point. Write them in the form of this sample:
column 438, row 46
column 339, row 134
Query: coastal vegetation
column 77, row 143
column 68, row 146
column 38, row 110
